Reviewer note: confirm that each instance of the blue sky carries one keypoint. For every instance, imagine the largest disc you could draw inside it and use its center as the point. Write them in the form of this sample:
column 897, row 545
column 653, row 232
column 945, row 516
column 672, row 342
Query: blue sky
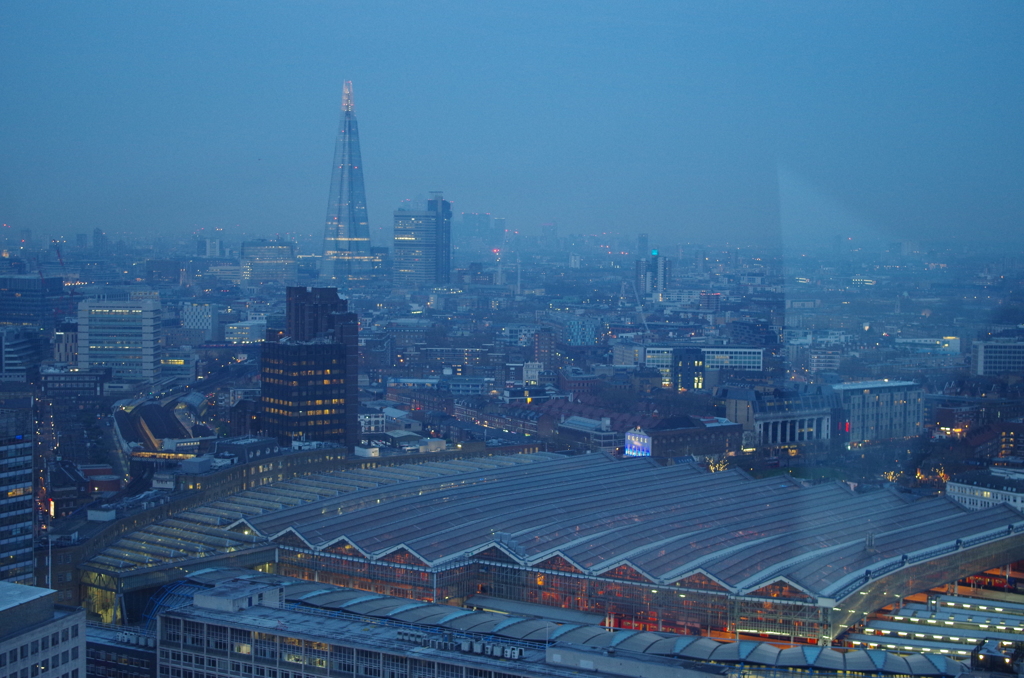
column 692, row 121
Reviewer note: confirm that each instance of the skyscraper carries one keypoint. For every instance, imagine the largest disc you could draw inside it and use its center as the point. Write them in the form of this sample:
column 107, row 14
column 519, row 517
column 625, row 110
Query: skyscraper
column 347, row 257
column 423, row 244
column 310, row 380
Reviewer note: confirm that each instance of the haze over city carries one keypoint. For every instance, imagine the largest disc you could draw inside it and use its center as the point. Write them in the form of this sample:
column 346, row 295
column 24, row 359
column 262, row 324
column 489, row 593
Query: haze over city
column 681, row 119
column 511, row 340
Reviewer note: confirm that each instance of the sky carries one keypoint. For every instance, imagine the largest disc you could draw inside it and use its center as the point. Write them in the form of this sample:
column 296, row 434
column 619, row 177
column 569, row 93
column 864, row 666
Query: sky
column 711, row 122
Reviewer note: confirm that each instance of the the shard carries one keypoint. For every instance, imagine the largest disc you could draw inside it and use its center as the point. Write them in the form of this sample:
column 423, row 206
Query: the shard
column 347, row 259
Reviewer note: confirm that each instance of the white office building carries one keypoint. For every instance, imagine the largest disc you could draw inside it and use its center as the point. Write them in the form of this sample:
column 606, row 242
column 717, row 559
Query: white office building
column 38, row 638
column 122, row 335
column 733, row 358
column 995, row 358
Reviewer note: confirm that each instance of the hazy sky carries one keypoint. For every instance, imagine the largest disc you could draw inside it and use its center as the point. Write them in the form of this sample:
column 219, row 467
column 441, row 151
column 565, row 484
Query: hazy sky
column 692, row 121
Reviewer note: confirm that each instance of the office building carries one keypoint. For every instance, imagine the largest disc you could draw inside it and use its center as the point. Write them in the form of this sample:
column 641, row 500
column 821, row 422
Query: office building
column 68, row 381
column 653, row 274
column 422, row 255
column 202, row 316
column 881, row 410
column 347, row 258
column 21, row 352
column 165, row 271
column 124, row 336
column 65, row 343
column 120, row 652
column 733, row 358
column 179, row 363
column 997, row 358
column 246, row 332
column 38, row 637
column 309, row 374
column 268, row 261
column 32, row 301
column 16, row 505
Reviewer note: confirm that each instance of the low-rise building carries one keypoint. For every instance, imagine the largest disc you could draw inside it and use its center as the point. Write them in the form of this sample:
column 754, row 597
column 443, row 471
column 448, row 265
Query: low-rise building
column 981, row 489
column 881, row 410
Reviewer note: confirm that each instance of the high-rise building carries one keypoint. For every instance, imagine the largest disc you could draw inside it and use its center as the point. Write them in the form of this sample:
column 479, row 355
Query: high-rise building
column 476, row 225
column 423, row 244
column 21, row 352
column 32, row 301
column 310, row 378
column 498, row 224
column 642, row 244
column 100, row 242
column 16, row 509
column 268, row 261
column 122, row 335
column 347, row 257
column 653, row 274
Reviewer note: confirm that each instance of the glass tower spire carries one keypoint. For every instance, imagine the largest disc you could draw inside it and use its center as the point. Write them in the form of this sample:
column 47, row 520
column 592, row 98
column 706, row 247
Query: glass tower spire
column 347, row 257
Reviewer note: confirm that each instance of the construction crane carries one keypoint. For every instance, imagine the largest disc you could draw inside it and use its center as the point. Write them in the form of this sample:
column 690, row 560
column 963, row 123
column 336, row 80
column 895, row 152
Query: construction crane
column 64, row 269
column 640, row 312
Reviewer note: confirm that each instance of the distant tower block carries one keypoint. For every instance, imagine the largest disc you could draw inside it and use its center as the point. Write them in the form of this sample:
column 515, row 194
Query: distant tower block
column 643, row 245
column 347, row 257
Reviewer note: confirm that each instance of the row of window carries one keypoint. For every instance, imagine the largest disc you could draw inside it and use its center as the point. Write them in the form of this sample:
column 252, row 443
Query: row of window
column 111, row 672
column 117, row 657
column 35, row 670
column 41, row 645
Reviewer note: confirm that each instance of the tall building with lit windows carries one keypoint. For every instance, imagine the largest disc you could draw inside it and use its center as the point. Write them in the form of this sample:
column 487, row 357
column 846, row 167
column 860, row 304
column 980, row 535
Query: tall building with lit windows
column 423, row 244
column 347, row 257
column 124, row 336
column 17, row 513
column 309, row 372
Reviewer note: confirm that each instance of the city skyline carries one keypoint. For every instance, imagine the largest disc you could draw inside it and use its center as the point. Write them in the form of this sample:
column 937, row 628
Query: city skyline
column 675, row 335
column 758, row 124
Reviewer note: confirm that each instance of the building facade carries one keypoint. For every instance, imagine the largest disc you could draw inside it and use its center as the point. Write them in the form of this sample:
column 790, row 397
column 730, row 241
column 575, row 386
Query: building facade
column 268, row 261
column 31, row 301
column 310, row 375
column 997, row 358
column 38, row 638
column 124, row 336
column 16, row 505
column 201, row 316
column 981, row 489
column 733, row 358
column 423, row 245
column 881, row 410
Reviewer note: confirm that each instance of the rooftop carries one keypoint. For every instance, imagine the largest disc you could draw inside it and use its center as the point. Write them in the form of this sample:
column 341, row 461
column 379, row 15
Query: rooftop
column 665, row 523
column 318, row 611
column 13, row 595
column 877, row 383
